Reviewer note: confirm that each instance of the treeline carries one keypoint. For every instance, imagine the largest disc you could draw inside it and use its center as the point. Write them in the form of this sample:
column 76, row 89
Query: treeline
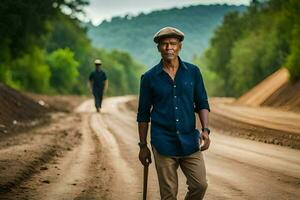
column 134, row 34
column 249, row 46
column 45, row 50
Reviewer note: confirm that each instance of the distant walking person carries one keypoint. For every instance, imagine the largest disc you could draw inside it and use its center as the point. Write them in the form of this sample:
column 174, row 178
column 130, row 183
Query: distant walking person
column 170, row 94
column 98, row 84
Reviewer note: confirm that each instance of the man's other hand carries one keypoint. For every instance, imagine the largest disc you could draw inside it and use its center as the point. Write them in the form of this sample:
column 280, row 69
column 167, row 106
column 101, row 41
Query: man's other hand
column 206, row 141
column 145, row 156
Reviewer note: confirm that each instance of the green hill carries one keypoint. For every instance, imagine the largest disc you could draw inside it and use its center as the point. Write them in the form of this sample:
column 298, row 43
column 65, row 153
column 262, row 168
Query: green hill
column 251, row 45
column 134, row 34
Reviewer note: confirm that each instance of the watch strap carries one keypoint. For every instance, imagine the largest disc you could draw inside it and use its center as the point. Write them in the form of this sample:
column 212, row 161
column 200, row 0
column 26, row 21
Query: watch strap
column 206, row 129
column 142, row 144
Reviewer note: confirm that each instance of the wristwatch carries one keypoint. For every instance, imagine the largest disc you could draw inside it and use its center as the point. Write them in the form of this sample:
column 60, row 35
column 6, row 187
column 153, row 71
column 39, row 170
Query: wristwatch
column 206, row 129
column 142, row 145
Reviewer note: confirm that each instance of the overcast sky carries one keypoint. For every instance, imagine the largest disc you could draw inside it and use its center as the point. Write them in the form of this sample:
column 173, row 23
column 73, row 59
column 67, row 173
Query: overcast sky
column 98, row 10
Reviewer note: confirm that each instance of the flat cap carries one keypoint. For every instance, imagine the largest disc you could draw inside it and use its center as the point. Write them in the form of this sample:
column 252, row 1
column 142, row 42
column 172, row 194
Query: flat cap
column 168, row 32
column 98, row 62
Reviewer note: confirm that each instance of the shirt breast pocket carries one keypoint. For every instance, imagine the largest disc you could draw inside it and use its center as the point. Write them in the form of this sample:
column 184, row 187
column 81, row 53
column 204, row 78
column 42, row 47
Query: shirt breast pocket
column 188, row 88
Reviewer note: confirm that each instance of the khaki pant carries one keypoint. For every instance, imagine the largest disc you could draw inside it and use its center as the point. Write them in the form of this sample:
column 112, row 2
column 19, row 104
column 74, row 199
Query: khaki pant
column 193, row 168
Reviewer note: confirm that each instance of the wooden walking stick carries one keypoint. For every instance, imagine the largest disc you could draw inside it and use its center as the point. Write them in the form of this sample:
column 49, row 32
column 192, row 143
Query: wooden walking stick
column 146, row 167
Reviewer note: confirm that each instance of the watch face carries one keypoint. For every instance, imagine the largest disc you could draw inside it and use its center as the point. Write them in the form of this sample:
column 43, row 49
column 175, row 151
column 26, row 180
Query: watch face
column 206, row 129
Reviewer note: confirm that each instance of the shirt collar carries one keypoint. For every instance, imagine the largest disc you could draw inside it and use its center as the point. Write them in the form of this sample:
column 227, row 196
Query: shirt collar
column 160, row 66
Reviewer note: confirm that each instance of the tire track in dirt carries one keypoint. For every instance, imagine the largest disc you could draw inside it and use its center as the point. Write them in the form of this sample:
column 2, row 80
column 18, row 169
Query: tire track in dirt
column 256, row 170
column 121, row 122
column 74, row 168
column 23, row 155
column 68, row 176
column 124, row 175
column 12, row 157
column 104, row 165
column 236, row 168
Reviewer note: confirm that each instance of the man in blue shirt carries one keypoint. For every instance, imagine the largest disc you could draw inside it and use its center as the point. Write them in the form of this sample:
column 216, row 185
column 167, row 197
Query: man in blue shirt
column 170, row 94
column 98, row 84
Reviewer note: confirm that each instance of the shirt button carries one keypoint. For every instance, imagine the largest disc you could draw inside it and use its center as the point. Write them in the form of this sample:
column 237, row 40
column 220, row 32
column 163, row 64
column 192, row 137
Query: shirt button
column 174, row 86
column 177, row 120
column 177, row 132
column 175, row 96
column 176, row 107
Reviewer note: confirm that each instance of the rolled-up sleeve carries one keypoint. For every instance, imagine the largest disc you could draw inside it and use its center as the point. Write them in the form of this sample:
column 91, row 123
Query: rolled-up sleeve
column 200, row 96
column 145, row 102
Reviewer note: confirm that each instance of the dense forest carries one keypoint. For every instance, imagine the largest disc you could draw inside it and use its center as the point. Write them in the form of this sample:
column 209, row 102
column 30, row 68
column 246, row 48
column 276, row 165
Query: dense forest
column 134, row 34
column 249, row 46
column 45, row 50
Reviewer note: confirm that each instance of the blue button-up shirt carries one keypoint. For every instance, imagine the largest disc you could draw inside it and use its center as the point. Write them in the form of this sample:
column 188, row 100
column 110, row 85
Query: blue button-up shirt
column 171, row 105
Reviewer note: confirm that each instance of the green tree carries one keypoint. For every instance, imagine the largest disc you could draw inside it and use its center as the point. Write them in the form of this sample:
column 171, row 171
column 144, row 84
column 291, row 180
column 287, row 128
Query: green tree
column 248, row 47
column 213, row 83
column 131, row 70
column 122, row 71
column 293, row 60
column 24, row 28
column 219, row 54
column 23, row 24
column 30, row 71
column 292, row 15
column 64, row 70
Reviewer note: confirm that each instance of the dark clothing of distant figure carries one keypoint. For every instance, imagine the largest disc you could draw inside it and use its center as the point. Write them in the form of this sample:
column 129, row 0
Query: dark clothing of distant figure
column 98, row 77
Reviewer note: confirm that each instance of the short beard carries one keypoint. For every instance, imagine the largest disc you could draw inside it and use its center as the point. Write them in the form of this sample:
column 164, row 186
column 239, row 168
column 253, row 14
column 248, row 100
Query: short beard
column 168, row 57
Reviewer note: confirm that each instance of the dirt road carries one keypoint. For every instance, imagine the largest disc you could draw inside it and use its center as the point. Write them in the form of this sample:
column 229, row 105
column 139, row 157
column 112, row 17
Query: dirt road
column 94, row 156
